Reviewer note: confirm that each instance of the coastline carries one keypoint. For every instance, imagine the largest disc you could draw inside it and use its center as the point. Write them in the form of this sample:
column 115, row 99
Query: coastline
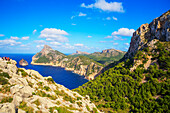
column 65, row 68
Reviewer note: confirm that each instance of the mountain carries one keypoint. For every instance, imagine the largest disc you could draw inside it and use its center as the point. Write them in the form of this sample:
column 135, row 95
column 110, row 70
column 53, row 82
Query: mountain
column 107, row 56
column 80, row 53
column 81, row 65
column 26, row 91
column 140, row 80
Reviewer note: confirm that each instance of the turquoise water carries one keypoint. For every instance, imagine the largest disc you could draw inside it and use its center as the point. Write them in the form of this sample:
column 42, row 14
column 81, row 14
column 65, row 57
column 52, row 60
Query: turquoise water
column 60, row 76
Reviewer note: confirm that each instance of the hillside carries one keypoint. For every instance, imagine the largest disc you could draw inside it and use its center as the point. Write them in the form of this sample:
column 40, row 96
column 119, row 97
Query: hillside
column 105, row 57
column 140, row 82
column 81, row 65
column 26, row 91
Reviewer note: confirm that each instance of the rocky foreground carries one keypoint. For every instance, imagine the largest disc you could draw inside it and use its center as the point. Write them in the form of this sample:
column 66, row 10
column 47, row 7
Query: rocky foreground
column 24, row 91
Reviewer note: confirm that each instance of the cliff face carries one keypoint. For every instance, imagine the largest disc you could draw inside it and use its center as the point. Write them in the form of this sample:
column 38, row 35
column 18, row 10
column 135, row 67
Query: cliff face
column 26, row 91
column 80, row 64
column 147, row 39
column 158, row 29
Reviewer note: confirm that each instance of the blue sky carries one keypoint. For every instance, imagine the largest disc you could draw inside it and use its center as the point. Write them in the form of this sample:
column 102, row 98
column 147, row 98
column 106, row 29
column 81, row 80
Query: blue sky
column 70, row 25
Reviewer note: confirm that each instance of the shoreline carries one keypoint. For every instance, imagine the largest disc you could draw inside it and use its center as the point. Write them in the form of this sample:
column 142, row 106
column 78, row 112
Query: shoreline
column 66, row 69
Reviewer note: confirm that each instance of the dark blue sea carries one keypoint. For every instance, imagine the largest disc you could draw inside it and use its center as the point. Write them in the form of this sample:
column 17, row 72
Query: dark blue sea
column 60, row 76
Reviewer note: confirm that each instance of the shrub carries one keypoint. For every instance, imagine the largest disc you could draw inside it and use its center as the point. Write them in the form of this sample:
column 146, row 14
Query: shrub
column 6, row 99
column 79, row 104
column 50, row 80
column 59, row 109
column 23, row 73
column 23, row 106
column 37, row 102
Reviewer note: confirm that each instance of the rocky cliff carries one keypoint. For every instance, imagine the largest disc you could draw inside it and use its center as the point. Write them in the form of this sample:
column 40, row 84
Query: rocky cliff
column 26, row 91
column 144, row 36
column 23, row 62
column 147, row 39
column 80, row 64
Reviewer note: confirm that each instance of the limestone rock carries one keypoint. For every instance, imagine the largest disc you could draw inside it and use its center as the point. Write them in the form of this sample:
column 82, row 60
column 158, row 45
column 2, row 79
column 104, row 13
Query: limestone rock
column 23, row 62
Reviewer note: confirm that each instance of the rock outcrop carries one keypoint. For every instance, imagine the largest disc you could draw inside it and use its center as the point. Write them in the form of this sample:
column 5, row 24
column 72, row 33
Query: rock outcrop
column 158, row 29
column 26, row 91
column 79, row 64
column 23, row 62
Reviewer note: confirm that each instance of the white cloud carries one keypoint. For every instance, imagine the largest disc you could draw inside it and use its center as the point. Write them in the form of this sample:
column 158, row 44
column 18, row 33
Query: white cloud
column 40, row 41
column 115, row 44
column 105, row 6
column 55, row 43
column 9, row 42
column 2, row 35
column 53, row 34
column 108, row 18
column 14, row 38
column 118, row 38
column 34, row 31
column 25, row 38
column 79, row 45
column 73, row 17
column 82, row 14
column 114, row 18
column 73, row 24
column 102, row 41
column 109, row 37
column 39, row 46
column 89, row 36
column 126, row 44
column 124, row 32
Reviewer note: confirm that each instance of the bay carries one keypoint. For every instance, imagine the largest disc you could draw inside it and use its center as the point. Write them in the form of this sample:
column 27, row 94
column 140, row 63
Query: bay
column 60, row 76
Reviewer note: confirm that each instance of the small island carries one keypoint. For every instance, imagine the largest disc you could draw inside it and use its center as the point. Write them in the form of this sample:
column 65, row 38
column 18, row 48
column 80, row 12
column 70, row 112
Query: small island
column 23, row 62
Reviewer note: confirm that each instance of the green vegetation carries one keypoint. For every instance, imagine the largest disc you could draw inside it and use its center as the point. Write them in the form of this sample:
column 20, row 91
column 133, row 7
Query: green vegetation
column 23, row 106
column 6, row 99
column 103, row 58
column 23, row 73
column 65, row 96
column 87, row 107
column 118, row 89
column 37, row 102
column 60, row 110
column 79, row 104
column 5, row 89
column 50, row 80
column 42, row 59
column 3, row 78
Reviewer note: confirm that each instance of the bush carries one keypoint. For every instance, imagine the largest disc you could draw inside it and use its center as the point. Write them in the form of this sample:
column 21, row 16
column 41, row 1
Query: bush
column 6, row 99
column 23, row 106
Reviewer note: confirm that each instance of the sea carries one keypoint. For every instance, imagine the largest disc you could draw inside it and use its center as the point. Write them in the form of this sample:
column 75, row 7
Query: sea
column 66, row 78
